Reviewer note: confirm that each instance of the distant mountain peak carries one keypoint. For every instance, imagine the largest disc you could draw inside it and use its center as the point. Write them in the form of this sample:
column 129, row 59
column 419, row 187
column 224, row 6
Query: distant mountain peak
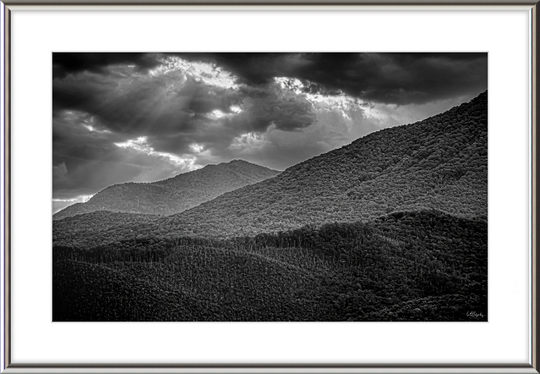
column 173, row 195
column 237, row 161
column 437, row 163
column 233, row 162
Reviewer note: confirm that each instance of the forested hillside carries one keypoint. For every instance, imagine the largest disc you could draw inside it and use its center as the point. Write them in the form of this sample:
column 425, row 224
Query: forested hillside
column 392, row 227
column 438, row 163
column 172, row 195
column 379, row 210
column 405, row 266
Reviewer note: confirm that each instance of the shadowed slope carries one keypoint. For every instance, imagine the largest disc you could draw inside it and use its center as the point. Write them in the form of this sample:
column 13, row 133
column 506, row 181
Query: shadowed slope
column 404, row 266
column 172, row 195
column 438, row 163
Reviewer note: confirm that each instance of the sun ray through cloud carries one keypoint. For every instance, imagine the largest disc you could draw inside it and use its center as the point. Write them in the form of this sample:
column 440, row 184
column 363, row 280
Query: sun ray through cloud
column 193, row 109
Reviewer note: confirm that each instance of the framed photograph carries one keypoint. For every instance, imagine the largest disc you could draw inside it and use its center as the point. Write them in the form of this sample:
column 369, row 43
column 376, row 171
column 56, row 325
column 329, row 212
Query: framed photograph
column 243, row 187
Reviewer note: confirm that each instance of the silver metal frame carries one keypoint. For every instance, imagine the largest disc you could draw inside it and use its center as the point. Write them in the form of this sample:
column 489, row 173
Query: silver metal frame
column 272, row 368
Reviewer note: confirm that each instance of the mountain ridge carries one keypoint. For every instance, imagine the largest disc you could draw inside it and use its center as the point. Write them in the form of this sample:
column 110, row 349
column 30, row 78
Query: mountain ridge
column 438, row 163
column 172, row 195
column 421, row 265
column 392, row 227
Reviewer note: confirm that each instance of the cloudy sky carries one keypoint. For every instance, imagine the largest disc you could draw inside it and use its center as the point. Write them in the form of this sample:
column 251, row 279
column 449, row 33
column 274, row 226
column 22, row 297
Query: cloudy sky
column 145, row 117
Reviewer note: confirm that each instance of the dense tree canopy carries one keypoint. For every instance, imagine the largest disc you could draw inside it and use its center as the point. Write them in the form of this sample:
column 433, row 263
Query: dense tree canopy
column 390, row 227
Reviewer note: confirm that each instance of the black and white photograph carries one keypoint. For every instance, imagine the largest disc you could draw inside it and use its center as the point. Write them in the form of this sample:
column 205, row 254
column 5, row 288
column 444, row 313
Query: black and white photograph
column 270, row 187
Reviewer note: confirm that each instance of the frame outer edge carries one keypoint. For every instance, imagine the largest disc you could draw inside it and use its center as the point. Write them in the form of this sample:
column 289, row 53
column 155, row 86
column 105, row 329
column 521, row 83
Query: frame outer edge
column 535, row 354
column 535, row 106
column 269, row 2
column 7, row 186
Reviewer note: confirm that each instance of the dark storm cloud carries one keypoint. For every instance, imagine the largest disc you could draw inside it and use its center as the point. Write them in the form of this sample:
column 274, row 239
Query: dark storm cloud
column 87, row 158
column 390, row 78
column 84, row 162
column 270, row 104
column 109, row 102
column 253, row 68
column 402, row 78
column 142, row 106
column 175, row 109
column 233, row 108
column 68, row 63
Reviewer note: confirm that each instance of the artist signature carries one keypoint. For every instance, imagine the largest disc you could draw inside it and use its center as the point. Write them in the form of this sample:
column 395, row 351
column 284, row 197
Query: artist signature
column 475, row 315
